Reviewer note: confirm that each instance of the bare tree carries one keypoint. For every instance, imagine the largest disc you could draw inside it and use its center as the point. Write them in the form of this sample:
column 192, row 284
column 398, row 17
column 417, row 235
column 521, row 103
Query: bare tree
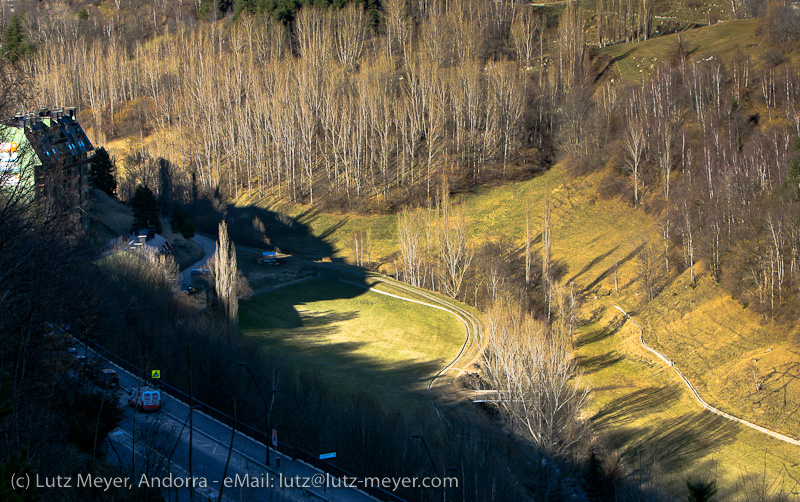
column 410, row 234
column 526, row 31
column 507, row 91
column 572, row 46
column 635, row 142
column 547, row 272
column 398, row 28
column 528, row 257
column 350, row 32
column 648, row 262
column 688, row 239
column 226, row 275
column 538, row 392
column 362, row 247
column 454, row 248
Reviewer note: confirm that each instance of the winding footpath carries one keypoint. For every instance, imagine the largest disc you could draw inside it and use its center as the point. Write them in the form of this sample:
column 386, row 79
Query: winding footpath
column 764, row 430
column 471, row 323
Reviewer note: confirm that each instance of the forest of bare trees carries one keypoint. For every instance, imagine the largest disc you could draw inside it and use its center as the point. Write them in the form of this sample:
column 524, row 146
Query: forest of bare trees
column 324, row 109
column 339, row 109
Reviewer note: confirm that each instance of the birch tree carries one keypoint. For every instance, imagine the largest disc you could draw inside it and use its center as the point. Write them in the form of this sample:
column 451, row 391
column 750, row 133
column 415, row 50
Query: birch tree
column 455, row 250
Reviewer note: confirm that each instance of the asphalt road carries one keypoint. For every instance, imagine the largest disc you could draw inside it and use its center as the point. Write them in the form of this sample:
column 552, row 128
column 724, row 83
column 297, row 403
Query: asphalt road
column 161, row 441
column 208, row 246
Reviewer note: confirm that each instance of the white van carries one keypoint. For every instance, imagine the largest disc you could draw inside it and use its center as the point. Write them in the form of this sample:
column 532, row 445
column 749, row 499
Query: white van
column 144, row 399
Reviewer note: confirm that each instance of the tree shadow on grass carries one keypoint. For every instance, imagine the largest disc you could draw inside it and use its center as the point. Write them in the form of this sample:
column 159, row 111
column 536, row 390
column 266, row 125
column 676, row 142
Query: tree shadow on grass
column 597, row 259
column 610, row 270
column 598, row 335
column 628, row 408
column 269, row 229
column 676, row 443
column 599, row 362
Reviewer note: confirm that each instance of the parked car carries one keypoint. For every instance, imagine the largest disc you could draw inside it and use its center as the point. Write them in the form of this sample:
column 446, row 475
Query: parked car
column 107, row 378
column 144, row 399
column 268, row 258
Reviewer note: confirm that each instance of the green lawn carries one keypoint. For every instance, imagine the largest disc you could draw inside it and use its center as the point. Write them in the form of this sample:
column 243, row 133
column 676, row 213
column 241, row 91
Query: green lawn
column 359, row 341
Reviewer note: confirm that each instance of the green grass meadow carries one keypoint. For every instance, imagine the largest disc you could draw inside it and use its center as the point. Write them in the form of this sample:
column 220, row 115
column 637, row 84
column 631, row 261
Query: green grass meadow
column 358, row 340
column 639, row 406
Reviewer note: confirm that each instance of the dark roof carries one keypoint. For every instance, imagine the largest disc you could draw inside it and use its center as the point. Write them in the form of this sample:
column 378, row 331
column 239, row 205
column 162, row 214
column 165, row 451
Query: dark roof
column 58, row 139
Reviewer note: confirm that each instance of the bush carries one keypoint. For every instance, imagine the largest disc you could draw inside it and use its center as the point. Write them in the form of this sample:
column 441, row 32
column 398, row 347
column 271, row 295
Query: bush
column 187, row 229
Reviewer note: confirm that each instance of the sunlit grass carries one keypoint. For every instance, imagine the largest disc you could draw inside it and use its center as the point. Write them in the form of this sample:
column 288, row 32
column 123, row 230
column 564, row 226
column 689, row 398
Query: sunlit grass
column 358, row 341
column 636, row 61
column 701, row 326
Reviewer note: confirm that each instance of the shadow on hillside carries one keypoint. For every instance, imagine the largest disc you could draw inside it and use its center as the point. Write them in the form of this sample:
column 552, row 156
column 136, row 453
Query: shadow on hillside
column 309, row 341
column 624, row 55
column 610, row 329
column 339, row 379
column 676, row 443
column 628, row 408
column 610, row 270
column 597, row 259
column 268, row 229
column 314, row 342
column 599, row 362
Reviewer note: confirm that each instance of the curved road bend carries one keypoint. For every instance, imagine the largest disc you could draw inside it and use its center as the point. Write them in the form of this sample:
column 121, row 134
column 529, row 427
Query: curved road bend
column 208, row 246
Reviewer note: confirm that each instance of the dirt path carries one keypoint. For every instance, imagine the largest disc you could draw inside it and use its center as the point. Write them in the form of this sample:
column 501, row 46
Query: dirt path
column 696, row 395
column 470, row 350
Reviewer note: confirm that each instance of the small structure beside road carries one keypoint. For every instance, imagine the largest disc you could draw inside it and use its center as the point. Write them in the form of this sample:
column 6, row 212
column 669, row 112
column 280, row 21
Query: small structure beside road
column 151, row 239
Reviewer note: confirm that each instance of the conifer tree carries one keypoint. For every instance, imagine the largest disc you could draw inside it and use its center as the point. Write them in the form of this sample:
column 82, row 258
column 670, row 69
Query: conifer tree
column 102, row 171
column 15, row 43
column 145, row 209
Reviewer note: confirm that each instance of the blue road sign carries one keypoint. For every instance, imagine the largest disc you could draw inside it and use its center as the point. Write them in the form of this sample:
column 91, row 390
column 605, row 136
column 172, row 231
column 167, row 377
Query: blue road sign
column 327, row 455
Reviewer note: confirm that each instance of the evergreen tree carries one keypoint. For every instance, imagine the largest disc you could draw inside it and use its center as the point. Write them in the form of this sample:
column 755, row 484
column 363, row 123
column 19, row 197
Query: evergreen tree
column 701, row 491
column 102, row 170
column 15, row 43
column 145, row 209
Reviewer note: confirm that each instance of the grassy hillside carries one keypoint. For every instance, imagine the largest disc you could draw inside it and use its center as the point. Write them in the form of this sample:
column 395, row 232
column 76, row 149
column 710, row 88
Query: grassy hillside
column 640, row 406
column 365, row 341
column 636, row 61
column 726, row 40
column 359, row 341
